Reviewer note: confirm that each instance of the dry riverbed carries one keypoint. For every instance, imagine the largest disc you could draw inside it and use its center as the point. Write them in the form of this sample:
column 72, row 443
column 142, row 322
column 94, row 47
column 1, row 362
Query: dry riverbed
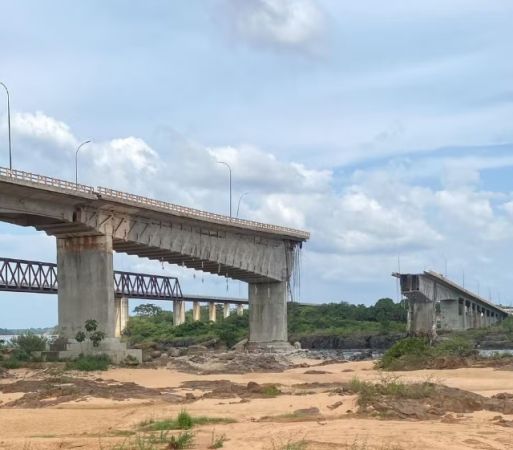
column 49, row 409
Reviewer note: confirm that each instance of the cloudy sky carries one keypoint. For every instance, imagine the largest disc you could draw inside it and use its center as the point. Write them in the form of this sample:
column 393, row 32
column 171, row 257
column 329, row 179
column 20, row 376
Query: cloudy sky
column 384, row 128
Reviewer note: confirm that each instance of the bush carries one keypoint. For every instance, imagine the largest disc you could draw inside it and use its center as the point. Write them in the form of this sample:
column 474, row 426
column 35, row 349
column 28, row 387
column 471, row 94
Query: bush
column 30, row 342
column 89, row 363
column 455, row 347
column 411, row 352
column 11, row 363
column 184, row 420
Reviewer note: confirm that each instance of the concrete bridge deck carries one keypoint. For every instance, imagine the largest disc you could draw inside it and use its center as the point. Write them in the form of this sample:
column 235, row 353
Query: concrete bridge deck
column 90, row 223
column 460, row 309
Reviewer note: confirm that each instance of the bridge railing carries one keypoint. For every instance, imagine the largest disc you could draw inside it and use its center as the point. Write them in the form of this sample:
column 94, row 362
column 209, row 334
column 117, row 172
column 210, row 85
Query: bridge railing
column 47, row 181
column 145, row 201
column 192, row 212
column 27, row 275
column 146, row 286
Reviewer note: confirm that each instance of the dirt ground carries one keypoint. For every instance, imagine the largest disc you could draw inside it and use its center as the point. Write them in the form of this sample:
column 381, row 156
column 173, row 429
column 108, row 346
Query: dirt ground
column 44, row 410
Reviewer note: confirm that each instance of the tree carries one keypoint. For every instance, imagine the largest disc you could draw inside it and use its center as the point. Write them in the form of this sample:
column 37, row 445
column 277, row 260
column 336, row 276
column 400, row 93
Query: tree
column 148, row 310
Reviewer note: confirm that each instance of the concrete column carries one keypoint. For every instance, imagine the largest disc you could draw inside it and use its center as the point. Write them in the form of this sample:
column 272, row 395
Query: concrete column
column 226, row 310
column 449, row 312
column 421, row 318
column 268, row 315
column 240, row 310
column 86, row 284
column 212, row 312
column 182, row 313
column 196, row 311
column 121, row 308
column 473, row 307
column 178, row 312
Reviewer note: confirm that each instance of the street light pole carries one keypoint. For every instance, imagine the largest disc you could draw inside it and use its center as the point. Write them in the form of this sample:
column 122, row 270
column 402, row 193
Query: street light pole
column 238, row 204
column 76, row 161
column 8, row 123
column 230, row 170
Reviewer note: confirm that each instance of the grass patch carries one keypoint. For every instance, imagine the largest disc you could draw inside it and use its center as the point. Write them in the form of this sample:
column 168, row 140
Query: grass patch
column 89, row 363
column 291, row 445
column 271, row 391
column 217, row 441
column 390, row 387
column 157, row 441
column 184, row 421
column 417, row 353
column 11, row 363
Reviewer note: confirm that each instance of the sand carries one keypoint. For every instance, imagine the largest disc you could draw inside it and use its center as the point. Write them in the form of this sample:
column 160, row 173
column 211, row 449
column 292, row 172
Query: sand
column 99, row 423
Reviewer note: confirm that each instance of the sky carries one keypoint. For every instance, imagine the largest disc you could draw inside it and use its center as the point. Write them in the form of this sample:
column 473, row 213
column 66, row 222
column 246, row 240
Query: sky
column 383, row 128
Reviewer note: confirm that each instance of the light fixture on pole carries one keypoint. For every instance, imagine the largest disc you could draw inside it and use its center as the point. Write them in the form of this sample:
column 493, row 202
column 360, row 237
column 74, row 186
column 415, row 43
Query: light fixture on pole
column 230, row 170
column 8, row 123
column 238, row 204
column 76, row 161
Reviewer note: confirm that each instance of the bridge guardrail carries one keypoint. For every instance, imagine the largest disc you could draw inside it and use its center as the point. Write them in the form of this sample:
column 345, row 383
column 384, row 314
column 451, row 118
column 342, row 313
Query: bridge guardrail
column 192, row 212
column 138, row 199
column 47, row 181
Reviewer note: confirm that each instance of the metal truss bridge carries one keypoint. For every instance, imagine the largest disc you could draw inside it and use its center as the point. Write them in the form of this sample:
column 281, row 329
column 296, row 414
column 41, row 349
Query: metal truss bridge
column 17, row 275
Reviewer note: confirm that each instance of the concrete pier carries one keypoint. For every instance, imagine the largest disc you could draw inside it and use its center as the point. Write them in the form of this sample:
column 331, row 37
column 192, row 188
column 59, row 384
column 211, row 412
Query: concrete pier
column 178, row 312
column 121, row 307
column 226, row 310
column 212, row 312
column 196, row 311
column 86, row 284
column 268, row 316
column 240, row 310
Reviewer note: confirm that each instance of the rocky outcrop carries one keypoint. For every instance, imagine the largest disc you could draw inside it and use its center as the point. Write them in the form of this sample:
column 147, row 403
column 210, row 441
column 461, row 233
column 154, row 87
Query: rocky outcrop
column 338, row 342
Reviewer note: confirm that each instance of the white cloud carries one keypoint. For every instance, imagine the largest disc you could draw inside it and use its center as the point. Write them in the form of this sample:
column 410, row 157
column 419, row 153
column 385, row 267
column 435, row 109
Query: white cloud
column 283, row 23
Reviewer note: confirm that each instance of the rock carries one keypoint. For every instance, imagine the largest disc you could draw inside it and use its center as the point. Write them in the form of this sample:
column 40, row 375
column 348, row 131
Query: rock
column 335, row 405
column 297, row 345
column 147, row 357
column 240, row 346
column 315, row 372
column 195, row 349
column 155, row 354
column 362, row 356
column 173, row 352
column 254, row 388
column 164, row 356
column 209, row 343
column 313, row 411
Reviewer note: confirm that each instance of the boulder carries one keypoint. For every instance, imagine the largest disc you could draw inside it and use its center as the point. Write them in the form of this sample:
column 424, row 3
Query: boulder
column 240, row 346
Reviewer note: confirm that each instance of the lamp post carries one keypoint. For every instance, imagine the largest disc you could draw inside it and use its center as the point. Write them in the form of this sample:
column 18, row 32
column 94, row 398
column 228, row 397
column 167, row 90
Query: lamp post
column 238, row 204
column 76, row 161
column 230, row 170
column 8, row 123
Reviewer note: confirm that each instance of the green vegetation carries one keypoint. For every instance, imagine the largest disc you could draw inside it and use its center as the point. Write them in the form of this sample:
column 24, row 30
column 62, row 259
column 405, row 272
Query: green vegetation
column 152, row 324
column 217, row 441
column 23, row 346
column 184, row 421
column 390, row 387
column 91, row 332
column 344, row 318
column 152, row 441
column 89, row 363
column 417, row 353
column 271, row 391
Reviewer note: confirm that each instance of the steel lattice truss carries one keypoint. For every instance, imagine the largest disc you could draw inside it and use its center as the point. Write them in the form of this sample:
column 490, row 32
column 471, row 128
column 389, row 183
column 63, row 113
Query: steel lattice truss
column 18, row 275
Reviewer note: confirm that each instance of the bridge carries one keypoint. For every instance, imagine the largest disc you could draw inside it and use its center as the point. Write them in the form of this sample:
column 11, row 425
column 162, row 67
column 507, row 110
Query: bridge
column 18, row 275
column 90, row 223
column 460, row 309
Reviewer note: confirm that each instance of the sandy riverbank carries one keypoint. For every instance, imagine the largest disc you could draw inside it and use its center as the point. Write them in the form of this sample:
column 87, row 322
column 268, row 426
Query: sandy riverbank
column 97, row 423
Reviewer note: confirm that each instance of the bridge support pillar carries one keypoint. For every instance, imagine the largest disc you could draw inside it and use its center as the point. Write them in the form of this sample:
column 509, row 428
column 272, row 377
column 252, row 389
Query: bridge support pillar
column 86, row 284
column 196, row 311
column 421, row 318
column 178, row 312
column 226, row 310
column 268, row 316
column 240, row 310
column 121, row 307
column 212, row 312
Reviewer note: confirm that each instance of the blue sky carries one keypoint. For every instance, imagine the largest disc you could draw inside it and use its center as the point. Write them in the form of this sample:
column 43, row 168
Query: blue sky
column 385, row 129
